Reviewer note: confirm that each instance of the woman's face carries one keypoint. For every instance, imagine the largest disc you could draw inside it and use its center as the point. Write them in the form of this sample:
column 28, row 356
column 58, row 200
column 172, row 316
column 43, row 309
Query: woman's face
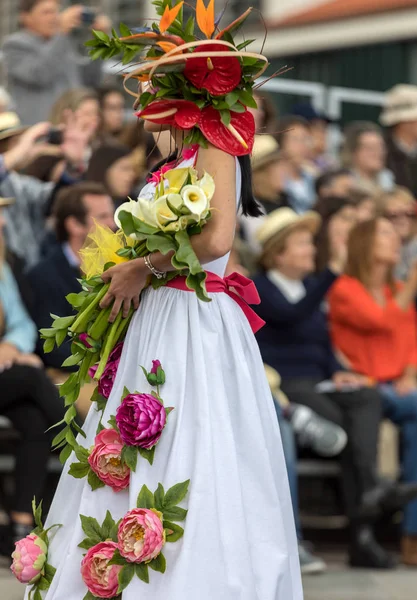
column 113, row 112
column 366, row 210
column 120, row 177
column 341, row 223
column 370, row 153
column 297, row 259
column 386, row 247
column 297, row 144
column 88, row 115
column 402, row 215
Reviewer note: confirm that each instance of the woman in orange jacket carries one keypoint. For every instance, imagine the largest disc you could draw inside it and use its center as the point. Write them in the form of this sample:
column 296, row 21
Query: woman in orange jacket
column 373, row 324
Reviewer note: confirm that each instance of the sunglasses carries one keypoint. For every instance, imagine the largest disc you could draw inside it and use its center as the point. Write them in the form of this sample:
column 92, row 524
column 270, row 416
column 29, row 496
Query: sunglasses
column 395, row 216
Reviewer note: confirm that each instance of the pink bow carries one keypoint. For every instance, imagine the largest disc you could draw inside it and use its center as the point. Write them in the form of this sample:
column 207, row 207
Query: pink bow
column 241, row 289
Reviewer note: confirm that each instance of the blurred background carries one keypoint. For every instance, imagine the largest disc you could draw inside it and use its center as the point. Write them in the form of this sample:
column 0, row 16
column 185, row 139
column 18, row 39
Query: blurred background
column 337, row 135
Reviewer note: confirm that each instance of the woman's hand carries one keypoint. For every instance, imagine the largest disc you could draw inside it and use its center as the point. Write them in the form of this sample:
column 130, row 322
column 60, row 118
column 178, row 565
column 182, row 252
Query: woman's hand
column 29, row 360
column 343, row 379
column 127, row 281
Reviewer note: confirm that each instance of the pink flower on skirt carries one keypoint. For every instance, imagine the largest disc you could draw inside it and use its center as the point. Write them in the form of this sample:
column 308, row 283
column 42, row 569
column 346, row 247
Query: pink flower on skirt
column 141, row 419
column 141, row 535
column 106, row 460
column 105, row 384
column 101, row 578
column 29, row 559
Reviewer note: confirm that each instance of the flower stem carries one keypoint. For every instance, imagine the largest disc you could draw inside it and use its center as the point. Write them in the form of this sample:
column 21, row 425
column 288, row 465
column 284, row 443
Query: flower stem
column 81, row 321
column 109, row 345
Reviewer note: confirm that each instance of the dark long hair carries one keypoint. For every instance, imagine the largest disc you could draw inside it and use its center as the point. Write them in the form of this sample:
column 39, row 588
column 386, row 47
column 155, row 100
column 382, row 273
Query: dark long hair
column 327, row 207
column 250, row 207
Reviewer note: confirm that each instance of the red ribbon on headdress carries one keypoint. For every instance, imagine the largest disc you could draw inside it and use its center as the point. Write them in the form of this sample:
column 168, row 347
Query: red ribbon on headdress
column 237, row 286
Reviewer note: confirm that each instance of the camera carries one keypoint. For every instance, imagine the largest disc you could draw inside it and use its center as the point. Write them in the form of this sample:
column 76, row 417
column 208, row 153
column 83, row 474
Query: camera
column 88, row 16
column 55, row 136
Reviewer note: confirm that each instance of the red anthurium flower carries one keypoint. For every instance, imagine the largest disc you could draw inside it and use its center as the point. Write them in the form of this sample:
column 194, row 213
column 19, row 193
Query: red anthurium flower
column 179, row 113
column 218, row 75
column 236, row 138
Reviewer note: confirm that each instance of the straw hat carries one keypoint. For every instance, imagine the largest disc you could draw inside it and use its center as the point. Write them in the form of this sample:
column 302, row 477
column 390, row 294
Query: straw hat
column 265, row 151
column 6, row 201
column 282, row 221
column 400, row 105
column 10, row 125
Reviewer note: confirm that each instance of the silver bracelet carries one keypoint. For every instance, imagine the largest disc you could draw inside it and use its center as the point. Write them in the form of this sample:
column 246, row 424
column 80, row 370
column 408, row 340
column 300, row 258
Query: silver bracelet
column 153, row 270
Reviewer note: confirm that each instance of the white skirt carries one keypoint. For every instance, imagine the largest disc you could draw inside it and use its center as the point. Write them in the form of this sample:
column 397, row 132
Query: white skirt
column 239, row 541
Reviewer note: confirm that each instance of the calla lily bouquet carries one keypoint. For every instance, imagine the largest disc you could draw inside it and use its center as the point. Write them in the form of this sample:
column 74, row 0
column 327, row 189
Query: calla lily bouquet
column 162, row 222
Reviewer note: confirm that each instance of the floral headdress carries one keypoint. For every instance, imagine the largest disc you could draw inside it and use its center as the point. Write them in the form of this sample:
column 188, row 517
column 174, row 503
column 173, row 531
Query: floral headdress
column 202, row 86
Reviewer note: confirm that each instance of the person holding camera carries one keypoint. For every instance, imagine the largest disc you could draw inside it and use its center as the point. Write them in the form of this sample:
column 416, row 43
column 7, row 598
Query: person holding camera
column 40, row 59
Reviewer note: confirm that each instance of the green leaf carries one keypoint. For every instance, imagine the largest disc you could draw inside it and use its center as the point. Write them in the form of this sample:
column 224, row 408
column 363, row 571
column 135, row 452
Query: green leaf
column 113, row 423
column 176, row 513
column 247, row 99
column 225, row 117
column 232, row 98
column 68, row 385
column 47, row 333
column 124, row 30
column 89, row 596
column 70, row 415
column 49, row 571
column 100, row 35
column 158, row 564
column 125, row 577
column 43, row 584
column 87, row 543
column 245, row 44
column 73, row 360
column 65, row 454
column 107, row 526
column 160, row 243
column 185, row 253
column 117, row 559
column 94, row 481
column 49, row 345
column 173, row 531
column 82, row 454
column 197, row 283
column 147, row 454
column 60, row 337
column 176, row 494
column 142, row 572
column 125, row 393
column 159, row 497
column 145, row 498
column 114, row 531
column 79, row 470
column 37, row 513
column 91, row 528
column 130, row 457
column 238, row 108
column 37, row 595
column 63, row 322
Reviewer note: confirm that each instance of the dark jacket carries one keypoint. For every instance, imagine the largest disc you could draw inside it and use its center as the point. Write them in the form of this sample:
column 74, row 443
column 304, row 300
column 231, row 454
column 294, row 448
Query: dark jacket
column 295, row 340
column 52, row 279
column 402, row 165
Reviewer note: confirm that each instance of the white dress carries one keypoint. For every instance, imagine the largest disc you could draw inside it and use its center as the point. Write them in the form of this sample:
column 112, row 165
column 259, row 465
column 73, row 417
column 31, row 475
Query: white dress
column 239, row 541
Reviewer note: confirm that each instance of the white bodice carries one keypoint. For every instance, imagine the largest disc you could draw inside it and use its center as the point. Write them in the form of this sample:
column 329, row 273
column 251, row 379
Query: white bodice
column 217, row 266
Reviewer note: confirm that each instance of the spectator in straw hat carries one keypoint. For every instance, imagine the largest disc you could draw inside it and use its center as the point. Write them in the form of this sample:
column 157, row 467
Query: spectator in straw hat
column 295, row 341
column 400, row 117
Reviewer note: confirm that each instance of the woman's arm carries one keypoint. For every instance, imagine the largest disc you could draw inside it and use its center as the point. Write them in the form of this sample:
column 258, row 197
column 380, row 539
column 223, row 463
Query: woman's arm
column 20, row 329
column 216, row 239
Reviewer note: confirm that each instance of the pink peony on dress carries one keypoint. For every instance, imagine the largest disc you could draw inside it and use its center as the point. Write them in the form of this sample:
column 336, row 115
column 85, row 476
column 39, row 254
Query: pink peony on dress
column 239, row 541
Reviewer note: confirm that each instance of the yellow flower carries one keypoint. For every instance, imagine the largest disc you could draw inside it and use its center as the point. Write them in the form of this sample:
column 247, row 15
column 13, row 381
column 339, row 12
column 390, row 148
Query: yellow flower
column 99, row 249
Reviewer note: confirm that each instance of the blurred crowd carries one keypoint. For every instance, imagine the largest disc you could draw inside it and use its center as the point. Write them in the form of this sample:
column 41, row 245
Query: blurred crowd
column 333, row 256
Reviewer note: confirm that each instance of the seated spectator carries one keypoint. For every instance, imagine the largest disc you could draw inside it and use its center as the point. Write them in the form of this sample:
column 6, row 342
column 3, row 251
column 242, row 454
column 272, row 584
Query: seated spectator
column 113, row 167
column 40, row 60
column 338, row 182
column 144, row 147
column 399, row 207
column 112, row 106
column 373, row 322
column 295, row 341
column 294, row 139
column 79, row 105
column 76, row 210
column 399, row 116
column 319, row 130
column 364, row 153
column 366, row 202
column 27, row 398
column 26, row 218
column 338, row 216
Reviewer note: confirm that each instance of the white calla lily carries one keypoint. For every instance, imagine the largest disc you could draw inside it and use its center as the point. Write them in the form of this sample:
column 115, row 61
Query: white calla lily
column 194, row 199
column 207, row 184
column 147, row 211
column 126, row 207
column 163, row 214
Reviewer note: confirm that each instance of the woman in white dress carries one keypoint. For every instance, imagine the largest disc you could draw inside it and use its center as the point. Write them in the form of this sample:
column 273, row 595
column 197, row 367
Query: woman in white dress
column 239, row 538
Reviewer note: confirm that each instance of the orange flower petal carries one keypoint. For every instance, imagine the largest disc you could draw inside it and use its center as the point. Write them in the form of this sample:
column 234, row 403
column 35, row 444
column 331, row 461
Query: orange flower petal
column 167, row 46
column 169, row 16
column 205, row 17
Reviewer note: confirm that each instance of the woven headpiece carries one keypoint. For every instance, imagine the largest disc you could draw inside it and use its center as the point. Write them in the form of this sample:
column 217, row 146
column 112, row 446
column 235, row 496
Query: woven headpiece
column 202, row 86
